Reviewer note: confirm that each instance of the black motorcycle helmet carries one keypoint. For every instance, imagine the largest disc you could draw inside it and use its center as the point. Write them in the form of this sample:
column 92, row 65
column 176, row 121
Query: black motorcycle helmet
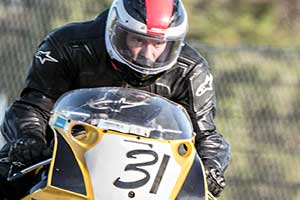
column 163, row 24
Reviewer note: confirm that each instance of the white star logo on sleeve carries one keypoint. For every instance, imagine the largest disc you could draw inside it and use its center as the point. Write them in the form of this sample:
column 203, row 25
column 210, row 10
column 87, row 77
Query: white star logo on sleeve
column 44, row 56
column 205, row 86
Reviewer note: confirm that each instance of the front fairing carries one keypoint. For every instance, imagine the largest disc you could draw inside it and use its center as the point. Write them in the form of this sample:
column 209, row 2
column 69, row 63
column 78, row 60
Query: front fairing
column 114, row 143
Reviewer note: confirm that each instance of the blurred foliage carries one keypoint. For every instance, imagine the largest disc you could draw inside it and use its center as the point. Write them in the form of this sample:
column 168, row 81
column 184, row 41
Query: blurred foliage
column 252, row 47
column 245, row 22
column 227, row 22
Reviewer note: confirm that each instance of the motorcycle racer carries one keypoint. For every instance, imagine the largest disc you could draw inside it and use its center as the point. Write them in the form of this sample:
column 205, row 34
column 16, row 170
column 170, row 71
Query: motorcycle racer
column 135, row 43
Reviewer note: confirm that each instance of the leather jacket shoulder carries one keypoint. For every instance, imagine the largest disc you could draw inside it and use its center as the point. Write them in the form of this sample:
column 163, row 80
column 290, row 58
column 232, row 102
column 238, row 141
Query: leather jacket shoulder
column 71, row 57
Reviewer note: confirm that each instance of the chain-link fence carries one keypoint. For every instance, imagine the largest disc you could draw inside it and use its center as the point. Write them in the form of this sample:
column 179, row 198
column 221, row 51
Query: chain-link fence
column 258, row 111
column 257, row 91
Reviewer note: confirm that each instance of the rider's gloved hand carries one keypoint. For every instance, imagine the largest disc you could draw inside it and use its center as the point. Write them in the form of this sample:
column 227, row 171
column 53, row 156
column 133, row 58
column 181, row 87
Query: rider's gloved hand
column 29, row 150
column 215, row 181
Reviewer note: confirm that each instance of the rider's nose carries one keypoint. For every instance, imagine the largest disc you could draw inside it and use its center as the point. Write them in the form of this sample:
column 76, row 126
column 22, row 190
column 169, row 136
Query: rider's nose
column 147, row 52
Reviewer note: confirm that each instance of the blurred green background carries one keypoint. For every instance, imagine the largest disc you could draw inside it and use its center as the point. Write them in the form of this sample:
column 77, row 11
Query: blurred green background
column 253, row 49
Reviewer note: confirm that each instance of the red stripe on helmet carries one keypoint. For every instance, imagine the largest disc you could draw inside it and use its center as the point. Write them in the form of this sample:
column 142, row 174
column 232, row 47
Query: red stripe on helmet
column 158, row 16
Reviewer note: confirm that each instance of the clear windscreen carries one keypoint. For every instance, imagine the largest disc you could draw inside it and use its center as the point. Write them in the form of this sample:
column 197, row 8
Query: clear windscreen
column 128, row 111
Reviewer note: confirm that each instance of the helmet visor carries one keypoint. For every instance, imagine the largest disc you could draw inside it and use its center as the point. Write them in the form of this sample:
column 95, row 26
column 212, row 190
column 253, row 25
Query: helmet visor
column 143, row 53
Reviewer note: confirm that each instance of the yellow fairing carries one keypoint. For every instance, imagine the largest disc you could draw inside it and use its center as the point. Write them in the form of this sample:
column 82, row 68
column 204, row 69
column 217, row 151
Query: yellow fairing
column 183, row 152
column 78, row 147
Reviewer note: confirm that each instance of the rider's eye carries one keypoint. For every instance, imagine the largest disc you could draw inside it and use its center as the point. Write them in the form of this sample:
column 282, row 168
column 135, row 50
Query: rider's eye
column 136, row 41
column 159, row 43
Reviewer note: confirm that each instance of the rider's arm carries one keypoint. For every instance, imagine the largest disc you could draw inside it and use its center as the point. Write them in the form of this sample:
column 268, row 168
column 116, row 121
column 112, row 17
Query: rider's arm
column 198, row 97
column 27, row 117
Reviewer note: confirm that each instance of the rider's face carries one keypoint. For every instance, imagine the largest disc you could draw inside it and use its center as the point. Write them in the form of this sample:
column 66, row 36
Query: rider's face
column 149, row 49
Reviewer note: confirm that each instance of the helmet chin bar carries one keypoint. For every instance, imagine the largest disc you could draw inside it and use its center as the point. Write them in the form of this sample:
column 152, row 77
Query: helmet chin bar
column 133, row 77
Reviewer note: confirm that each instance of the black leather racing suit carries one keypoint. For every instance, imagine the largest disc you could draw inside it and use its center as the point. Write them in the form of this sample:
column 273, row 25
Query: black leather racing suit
column 74, row 56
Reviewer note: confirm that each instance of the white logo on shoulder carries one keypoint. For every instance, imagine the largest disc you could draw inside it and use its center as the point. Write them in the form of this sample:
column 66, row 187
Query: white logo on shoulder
column 44, row 56
column 205, row 86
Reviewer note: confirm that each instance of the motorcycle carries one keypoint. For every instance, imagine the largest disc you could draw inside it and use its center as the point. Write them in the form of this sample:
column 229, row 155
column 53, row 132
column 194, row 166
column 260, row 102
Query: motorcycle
column 119, row 143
